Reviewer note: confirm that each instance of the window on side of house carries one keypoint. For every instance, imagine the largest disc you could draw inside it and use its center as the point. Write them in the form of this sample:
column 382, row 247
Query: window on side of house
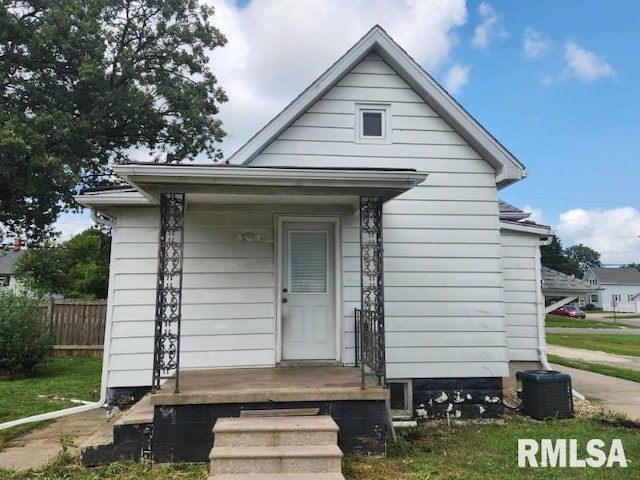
column 373, row 123
column 593, row 298
column 4, row 280
column 400, row 398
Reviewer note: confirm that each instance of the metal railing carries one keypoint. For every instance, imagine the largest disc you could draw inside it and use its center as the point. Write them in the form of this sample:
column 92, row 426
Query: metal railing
column 369, row 330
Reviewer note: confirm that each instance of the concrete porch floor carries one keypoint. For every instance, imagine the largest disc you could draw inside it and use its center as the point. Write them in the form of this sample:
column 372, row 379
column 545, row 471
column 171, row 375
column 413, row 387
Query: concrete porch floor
column 280, row 384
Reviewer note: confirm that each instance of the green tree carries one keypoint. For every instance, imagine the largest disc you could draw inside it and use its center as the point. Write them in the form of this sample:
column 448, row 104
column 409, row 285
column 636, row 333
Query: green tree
column 77, row 268
column 82, row 82
column 632, row 265
column 584, row 256
column 554, row 256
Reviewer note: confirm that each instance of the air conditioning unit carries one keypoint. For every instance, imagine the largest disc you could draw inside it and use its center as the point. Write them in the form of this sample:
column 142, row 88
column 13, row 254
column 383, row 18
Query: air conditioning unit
column 545, row 394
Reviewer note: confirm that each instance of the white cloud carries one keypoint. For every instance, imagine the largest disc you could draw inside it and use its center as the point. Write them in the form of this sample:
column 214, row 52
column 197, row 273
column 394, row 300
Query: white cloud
column 585, row 65
column 278, row 47
column 489, row 28
column 613, row 233
column 456, row 77
column 535, row 44
column 536, row 214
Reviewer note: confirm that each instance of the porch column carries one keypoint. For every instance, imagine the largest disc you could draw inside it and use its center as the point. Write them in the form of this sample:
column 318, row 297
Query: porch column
column 371, row 287
column 166, row 350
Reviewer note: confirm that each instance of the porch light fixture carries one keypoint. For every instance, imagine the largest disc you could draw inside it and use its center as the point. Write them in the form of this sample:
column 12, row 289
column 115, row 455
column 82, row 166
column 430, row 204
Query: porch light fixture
column 248, row 237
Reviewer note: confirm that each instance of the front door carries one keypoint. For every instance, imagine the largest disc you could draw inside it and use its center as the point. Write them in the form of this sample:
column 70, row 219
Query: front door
column 308, row 291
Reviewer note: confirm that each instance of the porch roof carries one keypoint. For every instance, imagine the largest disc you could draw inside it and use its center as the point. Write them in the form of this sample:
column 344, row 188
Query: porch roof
column 151, row 180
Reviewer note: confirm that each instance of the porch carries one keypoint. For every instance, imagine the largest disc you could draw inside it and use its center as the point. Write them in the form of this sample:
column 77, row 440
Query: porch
column 195, row 380
column 168, row 426
column 263, row 385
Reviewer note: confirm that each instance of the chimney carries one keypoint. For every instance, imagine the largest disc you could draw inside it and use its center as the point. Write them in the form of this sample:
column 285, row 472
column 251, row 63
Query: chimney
column 17, row 243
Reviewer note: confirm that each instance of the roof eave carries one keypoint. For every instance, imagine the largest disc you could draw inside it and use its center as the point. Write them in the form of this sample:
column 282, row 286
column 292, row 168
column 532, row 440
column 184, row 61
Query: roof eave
column 151, row 180
column 541, row 230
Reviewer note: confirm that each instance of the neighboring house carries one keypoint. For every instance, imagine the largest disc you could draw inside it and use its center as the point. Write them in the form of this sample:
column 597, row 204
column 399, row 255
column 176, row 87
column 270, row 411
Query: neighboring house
column 560, row 289
column 8, row 259
column 617, row 288
column 276, row 258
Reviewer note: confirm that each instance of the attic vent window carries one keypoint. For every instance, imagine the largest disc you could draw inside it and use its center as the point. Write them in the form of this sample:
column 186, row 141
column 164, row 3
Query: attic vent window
column 373, row 123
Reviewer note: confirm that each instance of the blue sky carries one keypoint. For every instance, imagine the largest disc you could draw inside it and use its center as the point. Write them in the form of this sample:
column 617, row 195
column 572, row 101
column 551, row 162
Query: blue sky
column 553, row 81
column 575, row 130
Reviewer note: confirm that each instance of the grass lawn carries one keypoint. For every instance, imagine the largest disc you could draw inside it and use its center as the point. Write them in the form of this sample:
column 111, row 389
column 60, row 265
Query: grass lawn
column 61, row 379
column 568, row 322
column 618, row 344
column 431, row 451
column 624, row 373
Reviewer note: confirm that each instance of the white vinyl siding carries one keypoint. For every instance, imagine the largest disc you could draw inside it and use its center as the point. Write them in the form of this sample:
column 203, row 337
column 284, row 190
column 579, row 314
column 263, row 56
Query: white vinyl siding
column 443, row 272
column 228, row 314
column 521, row 297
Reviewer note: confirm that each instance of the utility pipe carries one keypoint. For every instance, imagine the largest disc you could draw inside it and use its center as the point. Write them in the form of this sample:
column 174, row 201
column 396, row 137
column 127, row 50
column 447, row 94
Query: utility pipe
column 542, row 342
column 105, row 355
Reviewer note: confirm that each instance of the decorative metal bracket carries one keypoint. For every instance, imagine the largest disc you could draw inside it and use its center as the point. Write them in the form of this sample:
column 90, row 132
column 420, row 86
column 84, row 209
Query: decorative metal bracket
column 166, row 353
column 371, row 317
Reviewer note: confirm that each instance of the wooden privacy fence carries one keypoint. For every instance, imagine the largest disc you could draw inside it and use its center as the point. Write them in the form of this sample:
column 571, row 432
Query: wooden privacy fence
column 79, row 326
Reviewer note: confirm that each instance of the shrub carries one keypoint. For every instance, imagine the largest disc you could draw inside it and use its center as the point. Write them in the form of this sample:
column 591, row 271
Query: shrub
column 589, row 307
column 25, row 339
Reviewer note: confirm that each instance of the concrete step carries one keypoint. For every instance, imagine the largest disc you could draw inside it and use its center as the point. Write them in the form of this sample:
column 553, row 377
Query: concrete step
column 279, row 476
column 280, row 459
column 138, row 414
column 275, row 431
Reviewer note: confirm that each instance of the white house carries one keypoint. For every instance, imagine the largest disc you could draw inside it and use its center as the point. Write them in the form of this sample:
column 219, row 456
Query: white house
column 360, row 226
column 618, row 288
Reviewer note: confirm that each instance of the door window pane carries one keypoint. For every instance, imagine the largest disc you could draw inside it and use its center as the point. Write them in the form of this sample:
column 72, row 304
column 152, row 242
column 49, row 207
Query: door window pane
column 308, row 262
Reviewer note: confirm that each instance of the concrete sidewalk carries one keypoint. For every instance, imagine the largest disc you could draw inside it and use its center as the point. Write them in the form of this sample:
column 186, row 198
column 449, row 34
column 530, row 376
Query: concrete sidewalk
column 593, row 356
column 612, row 394
column 40, row 447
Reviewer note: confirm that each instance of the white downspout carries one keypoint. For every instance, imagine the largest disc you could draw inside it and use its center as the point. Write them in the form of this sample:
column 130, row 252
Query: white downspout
column 542, row 341
column 105, row 356
column 67, row 411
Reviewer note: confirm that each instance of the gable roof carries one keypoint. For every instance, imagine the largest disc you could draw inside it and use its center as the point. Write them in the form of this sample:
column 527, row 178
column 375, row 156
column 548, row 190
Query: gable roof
column 8, row 259
column 623, row 276
column 508, row 168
